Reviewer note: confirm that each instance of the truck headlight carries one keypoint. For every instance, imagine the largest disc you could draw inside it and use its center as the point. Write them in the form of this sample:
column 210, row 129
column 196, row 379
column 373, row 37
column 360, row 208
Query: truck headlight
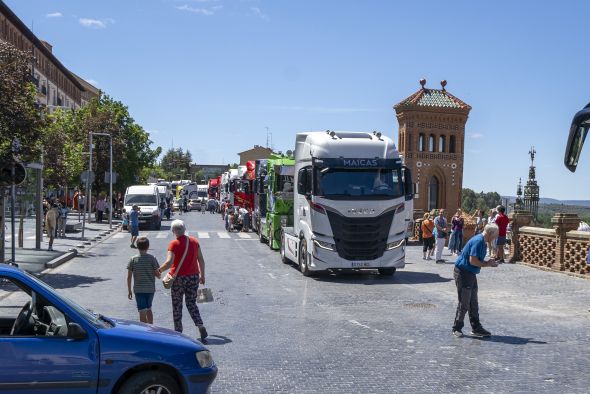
column 324, row 245
column 395, row 244
column 205, row 359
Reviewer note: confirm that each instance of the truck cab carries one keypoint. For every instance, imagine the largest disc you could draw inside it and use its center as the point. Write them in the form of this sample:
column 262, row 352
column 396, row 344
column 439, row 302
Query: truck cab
column 351, row 196
column 147, row 198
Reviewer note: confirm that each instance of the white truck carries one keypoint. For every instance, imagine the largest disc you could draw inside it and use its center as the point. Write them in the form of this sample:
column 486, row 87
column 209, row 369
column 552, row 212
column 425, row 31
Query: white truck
column 351, row 197
column 146, row 197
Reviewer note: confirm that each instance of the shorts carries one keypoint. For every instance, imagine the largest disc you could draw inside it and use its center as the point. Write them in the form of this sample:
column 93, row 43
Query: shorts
column 144, row 300
column 501, row 241
column 428, row 244
column 134, row 231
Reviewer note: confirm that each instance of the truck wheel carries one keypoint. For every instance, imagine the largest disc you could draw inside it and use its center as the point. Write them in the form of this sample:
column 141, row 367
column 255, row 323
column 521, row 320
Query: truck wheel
column 386, row 271
column 260, row 236
column 303, row 258
column 150, row 382
column 284, row 258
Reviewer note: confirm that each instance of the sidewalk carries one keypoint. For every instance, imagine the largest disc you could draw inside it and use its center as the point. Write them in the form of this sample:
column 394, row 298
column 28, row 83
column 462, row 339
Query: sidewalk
column 64, row 249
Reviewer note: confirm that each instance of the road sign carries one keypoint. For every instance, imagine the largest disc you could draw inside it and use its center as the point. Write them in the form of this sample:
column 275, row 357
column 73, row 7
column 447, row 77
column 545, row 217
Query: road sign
column 20, row 174
column 106, row 177
column 87, row 176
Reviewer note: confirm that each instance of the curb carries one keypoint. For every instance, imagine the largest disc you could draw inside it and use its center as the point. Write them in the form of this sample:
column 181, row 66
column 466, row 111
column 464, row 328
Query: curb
column 56, row 262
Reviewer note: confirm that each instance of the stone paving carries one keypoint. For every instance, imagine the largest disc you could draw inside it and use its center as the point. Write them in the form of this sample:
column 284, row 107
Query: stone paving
column 273, row 330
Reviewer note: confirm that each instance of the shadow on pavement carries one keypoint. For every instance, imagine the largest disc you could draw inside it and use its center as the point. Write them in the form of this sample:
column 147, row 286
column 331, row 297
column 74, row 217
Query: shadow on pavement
column 217, row 340
column 373, row 278
column 67, row 281
column 510, row 340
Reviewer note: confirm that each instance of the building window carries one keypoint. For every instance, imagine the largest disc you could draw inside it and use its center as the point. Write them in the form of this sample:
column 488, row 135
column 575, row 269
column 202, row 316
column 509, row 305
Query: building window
column 442, row 143
column 452, row 144
column 421, row 143
column 431, row 145
column 433, row 186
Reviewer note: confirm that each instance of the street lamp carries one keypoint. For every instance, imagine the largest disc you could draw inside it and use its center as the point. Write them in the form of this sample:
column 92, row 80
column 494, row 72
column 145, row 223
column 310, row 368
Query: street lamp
column 89, row 185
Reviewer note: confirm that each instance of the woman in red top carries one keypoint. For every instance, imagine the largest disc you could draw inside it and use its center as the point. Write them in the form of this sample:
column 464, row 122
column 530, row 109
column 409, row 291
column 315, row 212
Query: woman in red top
column 191, row 273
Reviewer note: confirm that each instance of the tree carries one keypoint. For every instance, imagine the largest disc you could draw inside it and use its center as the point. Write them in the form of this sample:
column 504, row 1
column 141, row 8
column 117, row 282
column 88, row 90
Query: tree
column 20, row 117
column 470, row 201
column 176, row 162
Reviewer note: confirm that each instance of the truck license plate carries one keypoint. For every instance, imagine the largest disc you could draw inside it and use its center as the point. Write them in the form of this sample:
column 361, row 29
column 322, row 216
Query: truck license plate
column 360, row 264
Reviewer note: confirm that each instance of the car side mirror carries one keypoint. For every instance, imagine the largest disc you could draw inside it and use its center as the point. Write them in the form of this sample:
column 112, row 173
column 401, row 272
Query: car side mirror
column 578, row 132
column 75, row 331
column 408, row 184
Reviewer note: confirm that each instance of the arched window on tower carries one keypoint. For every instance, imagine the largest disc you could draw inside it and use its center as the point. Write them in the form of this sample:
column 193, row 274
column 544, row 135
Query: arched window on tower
column 421, row 143
column 442, row 143
column 433, row 194
column 431, row 143
column 452, row 147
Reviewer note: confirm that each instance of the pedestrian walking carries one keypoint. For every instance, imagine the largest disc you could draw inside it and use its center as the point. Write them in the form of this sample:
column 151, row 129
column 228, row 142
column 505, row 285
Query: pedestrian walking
column 142, row 270
column 458, row 223
column 51, row 224
column 427, row 227
column 187, row 267
column 134, row 224
column 203, row 205
column 492, row 245
column 480, row 221
column 100, row 207
column 467, row 266
column 162, row 207
column 62, row 220
column 440, row 223
column 81, row 205
column 502, row 223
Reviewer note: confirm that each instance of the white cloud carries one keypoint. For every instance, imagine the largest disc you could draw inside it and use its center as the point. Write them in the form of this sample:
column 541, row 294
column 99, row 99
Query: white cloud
column 208, row 11
column 54, row 15
column 475, row 135
column 92, row 23
column 258, row 12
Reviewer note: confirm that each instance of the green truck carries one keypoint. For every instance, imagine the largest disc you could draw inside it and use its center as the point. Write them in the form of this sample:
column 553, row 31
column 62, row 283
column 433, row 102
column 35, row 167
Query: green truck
column 277, row 188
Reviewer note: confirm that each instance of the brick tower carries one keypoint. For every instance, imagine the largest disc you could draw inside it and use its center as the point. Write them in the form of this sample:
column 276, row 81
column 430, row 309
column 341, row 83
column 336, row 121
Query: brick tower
column 431, row 140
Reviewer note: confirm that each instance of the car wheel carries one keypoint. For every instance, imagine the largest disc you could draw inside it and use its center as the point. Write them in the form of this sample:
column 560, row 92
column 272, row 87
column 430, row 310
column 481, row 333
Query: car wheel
column 284, row 258
column 148, row 382
column 386, row 271
column 303, row 258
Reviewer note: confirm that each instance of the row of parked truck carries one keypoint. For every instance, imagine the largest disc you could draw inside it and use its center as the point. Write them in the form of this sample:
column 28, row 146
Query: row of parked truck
column 342, row 201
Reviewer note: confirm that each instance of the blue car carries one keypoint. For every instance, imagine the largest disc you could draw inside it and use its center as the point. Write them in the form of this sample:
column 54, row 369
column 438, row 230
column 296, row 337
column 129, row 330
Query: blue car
column 49, row 344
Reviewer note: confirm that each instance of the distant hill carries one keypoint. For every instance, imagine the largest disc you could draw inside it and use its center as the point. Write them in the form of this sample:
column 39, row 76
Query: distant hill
column 553, row 201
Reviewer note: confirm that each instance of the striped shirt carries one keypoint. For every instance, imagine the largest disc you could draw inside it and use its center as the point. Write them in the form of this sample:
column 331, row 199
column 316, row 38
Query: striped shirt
column 143, row 267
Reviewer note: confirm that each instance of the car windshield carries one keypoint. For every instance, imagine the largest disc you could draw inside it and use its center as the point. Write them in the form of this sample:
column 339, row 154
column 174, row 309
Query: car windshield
column 201, row 193
column 90, row 317
column 337, row 183
column 140, row 199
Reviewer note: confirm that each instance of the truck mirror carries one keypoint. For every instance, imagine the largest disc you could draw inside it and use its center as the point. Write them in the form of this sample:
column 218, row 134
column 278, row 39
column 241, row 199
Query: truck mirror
column 302, row 182
column 408, row 184
column 578, row 133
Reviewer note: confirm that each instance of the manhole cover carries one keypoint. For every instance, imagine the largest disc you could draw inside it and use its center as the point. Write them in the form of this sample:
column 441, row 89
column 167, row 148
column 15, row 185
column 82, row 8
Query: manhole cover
column 419, row 305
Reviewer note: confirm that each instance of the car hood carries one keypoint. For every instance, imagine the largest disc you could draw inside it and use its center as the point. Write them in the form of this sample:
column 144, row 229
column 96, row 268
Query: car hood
column 145, row 209
column 128, row 330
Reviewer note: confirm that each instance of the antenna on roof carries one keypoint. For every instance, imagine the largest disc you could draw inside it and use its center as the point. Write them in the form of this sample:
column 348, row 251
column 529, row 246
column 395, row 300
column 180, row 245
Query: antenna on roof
column 443, row 83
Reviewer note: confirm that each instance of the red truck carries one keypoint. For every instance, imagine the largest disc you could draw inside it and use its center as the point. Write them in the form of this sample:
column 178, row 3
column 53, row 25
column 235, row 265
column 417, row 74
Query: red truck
column 213, row 190
column 242, row 186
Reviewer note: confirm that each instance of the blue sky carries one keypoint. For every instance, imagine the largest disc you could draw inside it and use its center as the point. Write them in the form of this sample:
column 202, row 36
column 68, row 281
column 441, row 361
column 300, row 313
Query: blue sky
column 210, row 76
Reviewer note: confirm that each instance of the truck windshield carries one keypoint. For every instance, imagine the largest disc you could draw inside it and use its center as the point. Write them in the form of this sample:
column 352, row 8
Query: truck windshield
column 243, row 187
column 201, row 193
column 140, row 199
column 361, row 184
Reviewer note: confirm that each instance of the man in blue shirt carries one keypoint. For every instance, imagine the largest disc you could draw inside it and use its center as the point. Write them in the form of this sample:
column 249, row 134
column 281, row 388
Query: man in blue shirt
column 467, row 267
column 134, row 224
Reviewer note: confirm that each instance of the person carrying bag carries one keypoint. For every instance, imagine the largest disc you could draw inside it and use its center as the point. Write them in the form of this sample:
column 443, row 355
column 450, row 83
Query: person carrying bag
column 187, row 270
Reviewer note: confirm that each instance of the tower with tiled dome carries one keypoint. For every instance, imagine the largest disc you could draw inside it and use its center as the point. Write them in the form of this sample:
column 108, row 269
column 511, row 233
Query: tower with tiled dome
column 431, row 139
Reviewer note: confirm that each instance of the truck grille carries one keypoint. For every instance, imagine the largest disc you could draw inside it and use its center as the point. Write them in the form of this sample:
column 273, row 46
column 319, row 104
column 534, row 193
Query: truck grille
column 360, row 238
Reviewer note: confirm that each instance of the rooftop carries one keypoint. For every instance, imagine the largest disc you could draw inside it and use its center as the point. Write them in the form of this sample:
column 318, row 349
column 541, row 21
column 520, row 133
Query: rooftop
column 433, row 98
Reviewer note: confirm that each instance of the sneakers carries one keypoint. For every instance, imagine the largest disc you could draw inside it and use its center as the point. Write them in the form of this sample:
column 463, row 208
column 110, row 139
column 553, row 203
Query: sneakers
column 458, row 333
column 440, row 261
column 481, row 332
column 132, row 246
column 203, row 332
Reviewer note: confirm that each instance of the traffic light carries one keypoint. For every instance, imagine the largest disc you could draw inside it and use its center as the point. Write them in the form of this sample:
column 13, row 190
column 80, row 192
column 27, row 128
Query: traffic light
column 6, row 179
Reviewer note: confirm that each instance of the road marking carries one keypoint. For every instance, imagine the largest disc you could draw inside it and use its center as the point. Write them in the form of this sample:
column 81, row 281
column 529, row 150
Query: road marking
column 119, row 235
column 162, row 235
column 203, row 234
column 356, row 323
column 31, row 237
column 244, row 235
column 221, row 234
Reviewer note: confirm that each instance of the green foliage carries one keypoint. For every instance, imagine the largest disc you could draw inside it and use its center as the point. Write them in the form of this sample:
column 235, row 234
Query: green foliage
column 470, row 200
column 19, row 116
column 176, row 162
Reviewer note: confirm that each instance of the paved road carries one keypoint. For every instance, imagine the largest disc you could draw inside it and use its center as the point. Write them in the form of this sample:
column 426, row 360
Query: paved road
column 273, row 330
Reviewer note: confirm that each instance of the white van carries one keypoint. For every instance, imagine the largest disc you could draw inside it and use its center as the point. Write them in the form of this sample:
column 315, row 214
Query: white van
column 147, row 199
